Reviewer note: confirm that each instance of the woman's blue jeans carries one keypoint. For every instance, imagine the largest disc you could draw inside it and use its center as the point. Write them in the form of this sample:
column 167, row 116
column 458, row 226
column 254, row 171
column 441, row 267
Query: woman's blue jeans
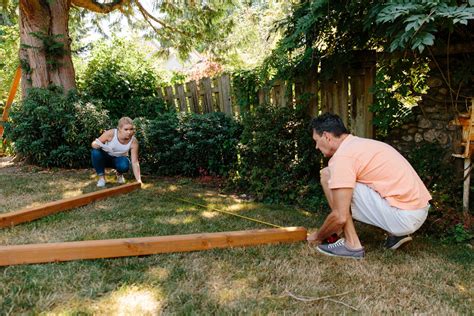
column 102, row 160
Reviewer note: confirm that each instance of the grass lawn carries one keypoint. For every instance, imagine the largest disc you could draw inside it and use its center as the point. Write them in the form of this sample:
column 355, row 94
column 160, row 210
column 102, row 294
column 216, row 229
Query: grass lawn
column 425, row 277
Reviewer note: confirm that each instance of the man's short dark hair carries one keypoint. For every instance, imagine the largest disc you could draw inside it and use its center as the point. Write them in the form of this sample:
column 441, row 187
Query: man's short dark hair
column 329, row 122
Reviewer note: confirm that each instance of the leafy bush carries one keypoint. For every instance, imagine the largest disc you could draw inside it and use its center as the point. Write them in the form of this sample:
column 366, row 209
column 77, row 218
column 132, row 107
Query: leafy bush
column 188, row 144
column 52, row 129
column 278, row 162
column 439, row 177
column 9, row 43
column 398, row 87
column 121, row 75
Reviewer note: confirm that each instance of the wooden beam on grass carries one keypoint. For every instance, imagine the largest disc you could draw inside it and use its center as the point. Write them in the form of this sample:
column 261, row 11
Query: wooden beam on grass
column 112, row 248
column 29, row 214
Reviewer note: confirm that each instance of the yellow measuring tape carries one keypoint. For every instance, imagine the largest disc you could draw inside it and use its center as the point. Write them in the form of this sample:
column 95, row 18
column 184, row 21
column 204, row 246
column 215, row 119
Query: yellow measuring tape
column 230, row 213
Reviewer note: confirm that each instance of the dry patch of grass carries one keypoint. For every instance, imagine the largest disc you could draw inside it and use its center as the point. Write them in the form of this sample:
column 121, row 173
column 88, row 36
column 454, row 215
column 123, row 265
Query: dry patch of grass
column 426, row 277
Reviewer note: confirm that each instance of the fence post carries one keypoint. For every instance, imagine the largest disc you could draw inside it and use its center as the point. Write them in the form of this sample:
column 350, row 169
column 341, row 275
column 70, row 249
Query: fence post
column 169, row 97
column 278, row 93
column 224, row 94
column 310, row 86
column 193, row 93
column 335, row 95
column 362, row 79
column 159, row 92
column 263, row 95
column 206, row 92
column 179, row 88
column 340, row 96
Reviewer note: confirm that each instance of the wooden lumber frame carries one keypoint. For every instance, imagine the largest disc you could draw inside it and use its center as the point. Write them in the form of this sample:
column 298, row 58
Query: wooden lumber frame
column 112, row 248
column 29, row 214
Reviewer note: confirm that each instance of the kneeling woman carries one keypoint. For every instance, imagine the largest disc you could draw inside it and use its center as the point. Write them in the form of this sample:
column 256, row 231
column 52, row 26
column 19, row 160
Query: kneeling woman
column 111, row 149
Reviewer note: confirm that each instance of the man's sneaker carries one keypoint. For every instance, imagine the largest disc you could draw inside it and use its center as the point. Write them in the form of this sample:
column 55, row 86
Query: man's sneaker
column 339, row 249
column 394, row 242
column 101, row 182
column 120, row 179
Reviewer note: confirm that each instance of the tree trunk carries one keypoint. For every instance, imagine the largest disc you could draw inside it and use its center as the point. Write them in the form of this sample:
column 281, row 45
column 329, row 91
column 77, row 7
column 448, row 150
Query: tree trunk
column 43, row 24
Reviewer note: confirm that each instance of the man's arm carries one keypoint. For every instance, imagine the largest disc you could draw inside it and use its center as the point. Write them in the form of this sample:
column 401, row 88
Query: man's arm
column 336, row 220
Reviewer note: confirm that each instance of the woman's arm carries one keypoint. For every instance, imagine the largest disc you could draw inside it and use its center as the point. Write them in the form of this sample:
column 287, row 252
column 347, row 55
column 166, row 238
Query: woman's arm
column 135, row 163
column 105, row 137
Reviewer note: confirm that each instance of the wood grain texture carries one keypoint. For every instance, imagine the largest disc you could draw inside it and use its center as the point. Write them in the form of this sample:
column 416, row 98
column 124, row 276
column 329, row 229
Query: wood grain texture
column 112, row 248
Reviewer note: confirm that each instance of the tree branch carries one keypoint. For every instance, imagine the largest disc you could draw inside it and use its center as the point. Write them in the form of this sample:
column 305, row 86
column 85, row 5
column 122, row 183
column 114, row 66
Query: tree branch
column 95, row 6
column 147, row 15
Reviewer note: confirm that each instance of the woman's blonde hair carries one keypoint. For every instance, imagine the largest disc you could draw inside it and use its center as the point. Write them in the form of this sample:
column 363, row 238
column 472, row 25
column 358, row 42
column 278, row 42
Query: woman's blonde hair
column 124, row 120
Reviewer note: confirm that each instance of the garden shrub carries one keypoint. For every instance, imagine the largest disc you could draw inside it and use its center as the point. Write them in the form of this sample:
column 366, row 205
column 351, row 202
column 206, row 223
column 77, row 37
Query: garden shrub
column 439, row 175
column 51, row 129
column 189, row 144
column 278, row 161
column 121, row 75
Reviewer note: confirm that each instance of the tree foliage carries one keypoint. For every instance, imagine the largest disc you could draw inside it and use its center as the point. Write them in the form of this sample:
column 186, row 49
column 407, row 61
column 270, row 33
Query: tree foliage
column 179, row 25
column 322, row 29
column 9, row 44
column 123, row 77
column 415, row 24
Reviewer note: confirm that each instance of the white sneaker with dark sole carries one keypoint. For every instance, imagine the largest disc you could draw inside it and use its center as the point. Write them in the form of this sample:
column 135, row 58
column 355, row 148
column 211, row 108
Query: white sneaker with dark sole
column 101, row 183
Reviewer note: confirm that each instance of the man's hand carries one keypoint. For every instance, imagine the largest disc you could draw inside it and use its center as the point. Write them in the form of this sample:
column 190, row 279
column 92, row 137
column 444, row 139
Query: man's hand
column 312, row 239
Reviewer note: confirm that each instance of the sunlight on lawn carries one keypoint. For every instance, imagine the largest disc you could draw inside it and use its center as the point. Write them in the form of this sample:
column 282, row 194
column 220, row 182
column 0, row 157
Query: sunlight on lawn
column 237, row 207
column 461, row 288
column 31, row 205
column 208, row 214
column 172, row 188
column 132, row 301
column 72, row 193
column 176, row 220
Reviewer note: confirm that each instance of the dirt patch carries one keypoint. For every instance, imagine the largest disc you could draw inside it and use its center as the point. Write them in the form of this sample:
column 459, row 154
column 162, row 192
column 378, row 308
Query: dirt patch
column 8, row 165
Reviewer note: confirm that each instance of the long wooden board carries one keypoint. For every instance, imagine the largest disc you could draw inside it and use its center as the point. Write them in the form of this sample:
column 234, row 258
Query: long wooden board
column 29, row 214
column 112, row 248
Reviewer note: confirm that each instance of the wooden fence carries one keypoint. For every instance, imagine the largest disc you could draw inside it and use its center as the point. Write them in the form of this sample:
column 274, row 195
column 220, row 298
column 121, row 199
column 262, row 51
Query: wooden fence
column 209, row 95
column 346, row 93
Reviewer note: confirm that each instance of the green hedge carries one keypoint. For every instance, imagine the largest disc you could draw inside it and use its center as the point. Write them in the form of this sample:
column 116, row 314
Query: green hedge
column 278, row 161
column 188, row 144
column 121, row 75
column 51, row 129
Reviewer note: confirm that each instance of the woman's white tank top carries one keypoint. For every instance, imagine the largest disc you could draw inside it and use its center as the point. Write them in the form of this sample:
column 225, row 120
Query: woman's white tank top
column 118, row 149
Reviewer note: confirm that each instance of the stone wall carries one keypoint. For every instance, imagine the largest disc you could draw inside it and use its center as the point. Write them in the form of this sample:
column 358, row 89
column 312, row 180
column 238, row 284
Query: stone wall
column 432, row 118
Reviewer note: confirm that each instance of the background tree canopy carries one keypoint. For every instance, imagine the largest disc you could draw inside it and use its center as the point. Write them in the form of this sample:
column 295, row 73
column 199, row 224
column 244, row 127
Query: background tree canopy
column 46, row 29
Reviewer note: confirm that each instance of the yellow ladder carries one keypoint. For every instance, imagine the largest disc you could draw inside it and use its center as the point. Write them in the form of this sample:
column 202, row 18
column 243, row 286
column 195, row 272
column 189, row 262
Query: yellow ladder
column 11, row 96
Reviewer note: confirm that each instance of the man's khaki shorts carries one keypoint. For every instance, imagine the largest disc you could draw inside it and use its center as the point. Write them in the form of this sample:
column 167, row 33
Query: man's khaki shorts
column 369, row 207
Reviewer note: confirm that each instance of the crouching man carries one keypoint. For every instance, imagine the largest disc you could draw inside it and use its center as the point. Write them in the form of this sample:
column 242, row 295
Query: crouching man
column 369, row 181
